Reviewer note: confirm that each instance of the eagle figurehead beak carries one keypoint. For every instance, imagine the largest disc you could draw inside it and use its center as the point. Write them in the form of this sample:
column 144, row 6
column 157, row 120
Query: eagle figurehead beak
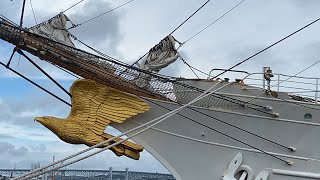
column 39, row 119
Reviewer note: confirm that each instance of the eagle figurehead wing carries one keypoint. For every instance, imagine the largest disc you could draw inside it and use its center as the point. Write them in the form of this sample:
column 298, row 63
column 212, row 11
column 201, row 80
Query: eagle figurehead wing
column 95, row 105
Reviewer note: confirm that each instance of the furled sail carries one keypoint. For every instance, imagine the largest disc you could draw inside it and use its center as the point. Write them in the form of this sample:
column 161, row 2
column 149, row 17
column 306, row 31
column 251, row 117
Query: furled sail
column 54, row 29
column 161, row 55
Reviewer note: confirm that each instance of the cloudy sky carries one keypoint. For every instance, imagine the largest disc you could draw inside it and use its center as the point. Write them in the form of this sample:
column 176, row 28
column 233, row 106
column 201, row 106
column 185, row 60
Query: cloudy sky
column 127, row 34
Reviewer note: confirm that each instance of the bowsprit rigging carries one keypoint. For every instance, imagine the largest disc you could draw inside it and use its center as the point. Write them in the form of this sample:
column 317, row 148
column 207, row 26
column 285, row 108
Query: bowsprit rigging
column 91, row 64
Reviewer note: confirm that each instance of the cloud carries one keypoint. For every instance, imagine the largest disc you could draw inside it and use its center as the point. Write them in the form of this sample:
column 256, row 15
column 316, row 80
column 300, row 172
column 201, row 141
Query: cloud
column 39, row 148
column 7, row 148
column 104, row 32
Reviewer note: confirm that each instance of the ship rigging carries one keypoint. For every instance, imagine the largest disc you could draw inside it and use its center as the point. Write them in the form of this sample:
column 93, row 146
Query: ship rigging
column 140, row 79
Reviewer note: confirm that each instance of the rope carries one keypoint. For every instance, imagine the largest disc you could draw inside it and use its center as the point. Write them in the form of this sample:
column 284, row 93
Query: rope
column 45, row 73
column 246, row 131
column 176, row 30
column 92, row 147
column 214, row 22
column 84, row 22
column 229, row 99
column 155, row 121
column 5, row 18
column 190, row 16
column 161, row 119
column 209, row 94
column 191, row 67
column 113, row 60
column 188, row 86
column 72, row 6
column 219, row 95
column 42, row 88
column 267, row 47
column 96, row 51
column 287, row 162
column 185, row 62
column 65, row 70
column 22, row 13
column 34, row 15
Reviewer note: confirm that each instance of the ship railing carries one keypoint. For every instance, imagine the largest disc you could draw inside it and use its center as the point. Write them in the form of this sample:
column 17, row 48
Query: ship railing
column 299, row 86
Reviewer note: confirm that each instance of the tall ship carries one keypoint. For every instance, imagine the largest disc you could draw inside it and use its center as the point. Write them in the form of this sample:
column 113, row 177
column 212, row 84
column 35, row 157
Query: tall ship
column 220, row 128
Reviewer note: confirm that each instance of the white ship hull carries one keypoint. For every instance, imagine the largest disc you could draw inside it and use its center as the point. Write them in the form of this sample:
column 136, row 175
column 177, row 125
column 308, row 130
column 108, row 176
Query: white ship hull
column 191, row 151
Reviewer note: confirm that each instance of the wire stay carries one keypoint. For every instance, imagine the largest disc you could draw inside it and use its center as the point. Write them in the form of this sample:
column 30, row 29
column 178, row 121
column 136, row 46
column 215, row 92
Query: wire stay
column 215, row 21
column 247, row 59
column 91, row 19
column 73, row 6
column 37, row 85
column 44, row 72
column 22, row 13
column 190, row 16
column 34, row 14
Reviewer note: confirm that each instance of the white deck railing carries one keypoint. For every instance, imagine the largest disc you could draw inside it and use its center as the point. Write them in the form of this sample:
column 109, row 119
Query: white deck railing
column 306, row 87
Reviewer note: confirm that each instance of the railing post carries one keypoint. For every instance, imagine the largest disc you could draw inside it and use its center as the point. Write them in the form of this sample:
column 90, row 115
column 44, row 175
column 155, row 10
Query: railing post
column 110, row 173
column 127, row 174
column 316, row 94
column 278, row 83
column 263, row 79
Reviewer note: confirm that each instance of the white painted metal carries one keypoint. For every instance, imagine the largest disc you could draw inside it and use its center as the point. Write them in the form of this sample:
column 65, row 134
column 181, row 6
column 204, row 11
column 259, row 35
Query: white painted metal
column 179, row 144
column 262, row 176
column 296, row 173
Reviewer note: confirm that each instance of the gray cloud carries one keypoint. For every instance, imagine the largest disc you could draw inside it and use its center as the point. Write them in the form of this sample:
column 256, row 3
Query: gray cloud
column 7, row 148
column 103, row 33
column 39, row 148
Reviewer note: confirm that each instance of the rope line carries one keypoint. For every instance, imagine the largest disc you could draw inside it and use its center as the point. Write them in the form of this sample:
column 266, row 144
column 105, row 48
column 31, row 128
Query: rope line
column 155, row 121
column 190, row 16
column 159, row 119
column 73, row 156
column 242, row 142
column 65, row 70
column 189, row 86
column 185, row 62
column 22, row 12
column 214, row 21
column 176, row 30
column 72, row 6
column 34, row 15
column 246, row 131
column 37, row 85
column 113, row 60
column 229, row 99
column 44, row 72
column 267, row 48
column 84, row 22
column 5, row 18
